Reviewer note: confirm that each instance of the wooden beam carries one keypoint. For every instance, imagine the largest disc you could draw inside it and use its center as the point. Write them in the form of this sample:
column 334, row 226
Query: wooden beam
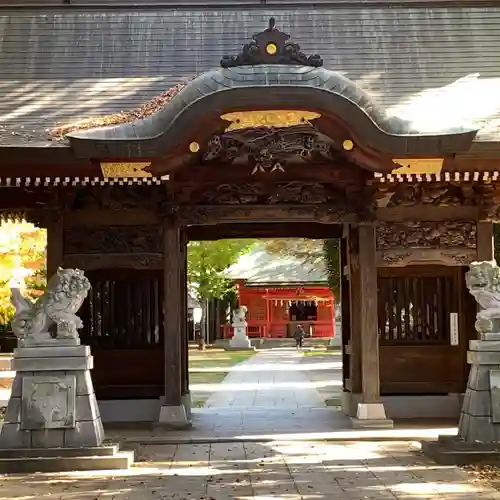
column 263, row 230
column 173, row 312
column 427, row 213
column 368, row 296
column 484, row 241
column 338, row 172
column 55, row 251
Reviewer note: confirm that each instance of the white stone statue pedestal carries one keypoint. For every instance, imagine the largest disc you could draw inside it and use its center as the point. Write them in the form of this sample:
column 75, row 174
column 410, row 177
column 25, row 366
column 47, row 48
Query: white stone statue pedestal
column 240, row 339
column 52, row 422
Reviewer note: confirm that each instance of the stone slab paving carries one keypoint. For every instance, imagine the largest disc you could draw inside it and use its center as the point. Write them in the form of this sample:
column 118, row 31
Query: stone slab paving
column 270, row 379
column 281, row 470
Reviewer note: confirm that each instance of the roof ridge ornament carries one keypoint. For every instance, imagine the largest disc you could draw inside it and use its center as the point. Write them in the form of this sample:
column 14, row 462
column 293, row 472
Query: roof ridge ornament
column 271, row 46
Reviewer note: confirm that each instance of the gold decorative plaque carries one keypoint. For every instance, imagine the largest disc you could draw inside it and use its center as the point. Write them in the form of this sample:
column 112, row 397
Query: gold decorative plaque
column 124, row 170
column 418, row 165
column 271, row 118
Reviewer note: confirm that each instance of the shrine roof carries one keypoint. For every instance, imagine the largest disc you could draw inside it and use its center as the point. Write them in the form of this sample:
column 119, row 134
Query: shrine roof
column 437, row 67
column 260, row 267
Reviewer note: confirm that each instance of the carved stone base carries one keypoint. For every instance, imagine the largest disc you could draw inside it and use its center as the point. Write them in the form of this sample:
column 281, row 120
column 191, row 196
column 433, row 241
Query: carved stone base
column 52, row 402
column 480, row 415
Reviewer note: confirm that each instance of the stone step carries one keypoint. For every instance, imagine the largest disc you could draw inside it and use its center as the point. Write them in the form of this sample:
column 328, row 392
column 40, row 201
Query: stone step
column 93, row 451
column 28, row 465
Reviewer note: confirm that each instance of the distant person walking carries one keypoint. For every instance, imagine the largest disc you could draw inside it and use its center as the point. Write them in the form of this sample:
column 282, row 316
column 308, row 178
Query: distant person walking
column 299, row 336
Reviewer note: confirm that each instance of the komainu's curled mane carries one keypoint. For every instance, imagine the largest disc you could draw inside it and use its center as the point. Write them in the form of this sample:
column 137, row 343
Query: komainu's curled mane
column 483, row 282
column 63, row 297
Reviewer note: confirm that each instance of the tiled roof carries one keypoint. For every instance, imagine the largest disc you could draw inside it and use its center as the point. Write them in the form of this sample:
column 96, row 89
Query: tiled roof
column 436, row 64
column 261, row 267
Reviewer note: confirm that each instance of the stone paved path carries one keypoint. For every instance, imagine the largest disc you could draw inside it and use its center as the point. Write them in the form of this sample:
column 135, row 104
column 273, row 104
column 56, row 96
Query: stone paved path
column 268, row 393
column 253, row 471
column 270, row 379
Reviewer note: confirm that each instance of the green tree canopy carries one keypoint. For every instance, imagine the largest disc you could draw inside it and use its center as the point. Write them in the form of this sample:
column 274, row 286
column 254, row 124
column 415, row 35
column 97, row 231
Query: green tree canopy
column 207, row 261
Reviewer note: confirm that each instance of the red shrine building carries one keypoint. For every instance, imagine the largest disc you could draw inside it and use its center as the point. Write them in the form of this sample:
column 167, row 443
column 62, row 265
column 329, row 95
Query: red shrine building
column 281, row 293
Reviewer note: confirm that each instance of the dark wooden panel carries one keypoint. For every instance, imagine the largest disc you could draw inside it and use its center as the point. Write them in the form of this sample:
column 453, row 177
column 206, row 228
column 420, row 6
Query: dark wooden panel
column 421, row 369
column 128, row 374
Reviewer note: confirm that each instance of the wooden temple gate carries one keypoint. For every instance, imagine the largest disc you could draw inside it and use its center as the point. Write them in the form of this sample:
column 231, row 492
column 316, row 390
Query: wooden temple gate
column 237, row 154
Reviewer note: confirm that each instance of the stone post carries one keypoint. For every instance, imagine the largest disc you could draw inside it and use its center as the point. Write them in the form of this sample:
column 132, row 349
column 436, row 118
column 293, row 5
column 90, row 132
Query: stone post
column 52, row 422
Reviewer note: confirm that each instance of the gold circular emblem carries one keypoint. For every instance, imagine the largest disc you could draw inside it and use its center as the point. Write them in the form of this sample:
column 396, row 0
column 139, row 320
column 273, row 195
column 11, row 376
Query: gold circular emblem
column 194, row 147
column 348, row 145
column 271, row 49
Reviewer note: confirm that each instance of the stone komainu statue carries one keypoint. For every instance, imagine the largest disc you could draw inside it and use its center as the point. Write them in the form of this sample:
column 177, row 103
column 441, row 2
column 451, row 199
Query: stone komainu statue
column 239, row 315
column 63, row 296
column 483, row 282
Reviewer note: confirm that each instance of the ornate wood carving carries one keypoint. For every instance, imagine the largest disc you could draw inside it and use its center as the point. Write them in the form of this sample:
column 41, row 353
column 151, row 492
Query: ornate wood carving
column 405, row 235
column 115, row 239
column 206, row 214
column 90, row 262
column 271, row 46
column 438, row 194
column 278, row 193
column 425, row 256
column 270, row 148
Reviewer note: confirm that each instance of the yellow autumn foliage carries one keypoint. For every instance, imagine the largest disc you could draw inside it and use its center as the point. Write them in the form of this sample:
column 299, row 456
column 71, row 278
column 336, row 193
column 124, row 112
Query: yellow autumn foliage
column 22, row 255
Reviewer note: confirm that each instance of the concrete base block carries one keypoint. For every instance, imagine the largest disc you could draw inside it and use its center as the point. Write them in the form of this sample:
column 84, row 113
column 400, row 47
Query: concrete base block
column 174, row 417
column 186, row 402
column 229, row 348
column 371, row 411
column 451, row 450
column 361, row 423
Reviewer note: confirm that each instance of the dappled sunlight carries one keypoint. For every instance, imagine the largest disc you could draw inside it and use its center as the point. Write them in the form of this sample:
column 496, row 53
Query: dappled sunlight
column 353, row 434
column 277, row 386
column 277, row 367
column 468, row 101
column 275, row 470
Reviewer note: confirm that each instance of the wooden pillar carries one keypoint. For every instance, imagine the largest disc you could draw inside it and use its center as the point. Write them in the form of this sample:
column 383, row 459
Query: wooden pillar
column 368, row 295
column 172, row 411
column 55, row 251
column 364, row 297
column 351, row 282
column 184, row 318
column 484, row 241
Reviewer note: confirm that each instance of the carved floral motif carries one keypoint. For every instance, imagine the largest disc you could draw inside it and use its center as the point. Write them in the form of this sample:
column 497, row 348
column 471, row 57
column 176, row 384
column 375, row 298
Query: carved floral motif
column 426, row 235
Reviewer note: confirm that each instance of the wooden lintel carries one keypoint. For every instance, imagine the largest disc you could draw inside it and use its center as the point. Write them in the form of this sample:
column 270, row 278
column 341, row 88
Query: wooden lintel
column 426, row 212
column 264, row 230
column 91, row 262
column 104, row 217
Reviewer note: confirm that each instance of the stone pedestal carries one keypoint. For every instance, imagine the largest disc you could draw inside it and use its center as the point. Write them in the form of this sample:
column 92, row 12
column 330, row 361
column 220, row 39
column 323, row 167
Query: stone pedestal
column 240, row 339
column 52, row 422
column 478, row 438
